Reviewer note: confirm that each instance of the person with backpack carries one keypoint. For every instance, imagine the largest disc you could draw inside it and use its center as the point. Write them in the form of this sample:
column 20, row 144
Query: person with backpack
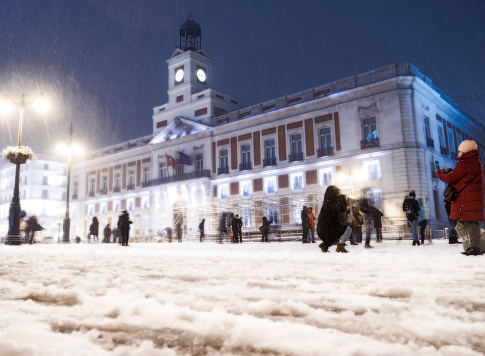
column 411, row 206
column 467, row 180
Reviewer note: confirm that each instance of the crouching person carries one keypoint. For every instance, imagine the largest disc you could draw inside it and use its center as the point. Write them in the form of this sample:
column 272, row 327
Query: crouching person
column 467, row 178
column 329, row 227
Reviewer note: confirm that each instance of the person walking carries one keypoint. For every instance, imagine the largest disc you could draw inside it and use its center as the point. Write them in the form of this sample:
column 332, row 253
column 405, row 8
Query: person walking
column 94, row 229
column 329, row 228
column 305, row 225
column 201, row 229
column 452, row 234
column 124, row 223
column 422, row 222
column 239, row 232
column 32, row 227
column 377, row 218
column 178, row 232
column 107, row 234
column 264, row 229
column 411, row 206
column 371, row 214
column 311, row 218
column 467, row 179
column 235, row 229
column 357, row 222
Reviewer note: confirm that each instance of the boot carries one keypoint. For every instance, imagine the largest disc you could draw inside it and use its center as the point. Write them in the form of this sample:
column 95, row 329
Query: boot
column 352, row 242
column 341, row 248
column 472, row 251
column 323, row 247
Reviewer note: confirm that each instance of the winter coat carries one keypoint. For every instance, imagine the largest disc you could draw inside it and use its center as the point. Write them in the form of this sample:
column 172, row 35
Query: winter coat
column 305, row 221
column 470, row 202
column 311, row 218
column 357, row 219
column 411, row 204
column 265, row 226
column 373, row 216
column 201, row 226
column 329, row 228
column 94, row 228
column 107, row 232
column 124, row 222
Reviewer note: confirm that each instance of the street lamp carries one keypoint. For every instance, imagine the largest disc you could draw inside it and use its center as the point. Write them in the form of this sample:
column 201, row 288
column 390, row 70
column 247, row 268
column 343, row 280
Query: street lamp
column 13, row 236
column 68, row 148
column 357, row 174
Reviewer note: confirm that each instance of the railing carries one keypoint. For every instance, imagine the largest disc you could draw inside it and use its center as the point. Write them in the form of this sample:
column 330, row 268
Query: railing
column 430, row 142
column 326, row 151
column 223, row 170
column 116, row 189
column 177, row 178
column 244, row 166
column 91, row 194
column 295, row 157
column 373, row 142
column 130, row 187
column 268, row 162
column 103, row 191
column 74, row 197
column 453, row 156
column 444, row 151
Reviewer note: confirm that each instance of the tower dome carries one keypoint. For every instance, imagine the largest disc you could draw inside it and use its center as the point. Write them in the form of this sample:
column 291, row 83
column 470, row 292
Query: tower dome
column 190, row 35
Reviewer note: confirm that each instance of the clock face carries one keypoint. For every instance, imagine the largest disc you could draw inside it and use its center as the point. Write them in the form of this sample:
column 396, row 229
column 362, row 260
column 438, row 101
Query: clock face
column 201, row 75
column 179, row 75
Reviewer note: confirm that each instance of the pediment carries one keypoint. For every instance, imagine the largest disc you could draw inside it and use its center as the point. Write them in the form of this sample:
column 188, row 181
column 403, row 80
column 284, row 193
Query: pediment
column 178, row 127
column 177, row 52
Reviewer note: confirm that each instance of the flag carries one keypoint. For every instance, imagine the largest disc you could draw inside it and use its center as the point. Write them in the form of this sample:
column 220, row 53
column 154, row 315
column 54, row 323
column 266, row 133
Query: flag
column 171, row 162
column 184, row 159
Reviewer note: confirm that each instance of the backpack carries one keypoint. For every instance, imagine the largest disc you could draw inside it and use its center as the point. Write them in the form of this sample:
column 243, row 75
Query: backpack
column 411, row 215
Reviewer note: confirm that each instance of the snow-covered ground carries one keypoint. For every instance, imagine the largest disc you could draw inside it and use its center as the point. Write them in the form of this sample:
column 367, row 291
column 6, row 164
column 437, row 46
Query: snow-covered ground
column 250, row 299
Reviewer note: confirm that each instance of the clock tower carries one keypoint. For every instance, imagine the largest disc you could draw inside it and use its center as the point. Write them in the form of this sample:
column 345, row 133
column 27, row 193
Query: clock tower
column 189, row 67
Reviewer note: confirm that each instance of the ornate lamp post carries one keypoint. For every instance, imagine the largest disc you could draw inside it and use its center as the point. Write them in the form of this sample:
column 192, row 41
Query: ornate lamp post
column 70, row 148
column 13, row 236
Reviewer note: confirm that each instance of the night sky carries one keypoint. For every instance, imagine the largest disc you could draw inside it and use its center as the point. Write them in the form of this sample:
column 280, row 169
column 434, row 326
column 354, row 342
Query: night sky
column 102, row 63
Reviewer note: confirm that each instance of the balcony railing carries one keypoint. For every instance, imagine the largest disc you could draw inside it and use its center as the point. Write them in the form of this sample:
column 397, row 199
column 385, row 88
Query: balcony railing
column 223, row 170
column 373, row 142
column 244, row 166
column 74, row 197
column 326, row 151
column 177, row 178
column 295, row 157
column 453, row 156
column 430, row 142
column 444, row 151
column 91, row 194
column 268, row 162
column 116, row 189
column 130, row 187
column 103, row 191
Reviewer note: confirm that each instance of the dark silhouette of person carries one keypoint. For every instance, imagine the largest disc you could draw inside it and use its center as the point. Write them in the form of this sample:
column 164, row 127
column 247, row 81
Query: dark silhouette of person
column 235, row 228
column 32, row 227
column 94, row 229
column 265, row 229
column 107, row 234
column 124, row 223
column 201, row 229
column 178, row 231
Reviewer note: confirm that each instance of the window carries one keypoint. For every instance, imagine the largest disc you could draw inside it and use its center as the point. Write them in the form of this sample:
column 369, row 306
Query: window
column 162, row 223
column 146, row 174
column 131, row 204
column 116, row 206
column 372, row 169
column 441, row 136
column 451, row 140
column 459, row 139
column 270, row 149
column 162, row 170
column 223, row 191
column 427, row 131
column 145, row 225
column 46, row 167
column 297, row 207
column 104, row 183
column 325, row 177
column 296, row 145
column 246, row 188
column 246, row 217
column 369, row 128
column 45, row 194
column 131, row 177
column 272, row 214
column 223, row 162
column 145, row 202
column 92, row 186
column 246, row 153
column 296, row 181
column 45, row 180
column 199, row 162
column 117, row 180
column 103, row 208
column 325, row 137
column 375, row 197
column 269, row 185
column 91, row 210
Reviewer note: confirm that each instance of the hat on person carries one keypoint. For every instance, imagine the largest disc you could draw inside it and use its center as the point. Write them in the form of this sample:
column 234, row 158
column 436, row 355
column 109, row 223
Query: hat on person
column 310, row 208
column 467, row 145
column 412, row 193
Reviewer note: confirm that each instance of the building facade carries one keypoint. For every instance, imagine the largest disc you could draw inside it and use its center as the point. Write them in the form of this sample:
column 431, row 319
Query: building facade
column 378, row 134
column 42, row 191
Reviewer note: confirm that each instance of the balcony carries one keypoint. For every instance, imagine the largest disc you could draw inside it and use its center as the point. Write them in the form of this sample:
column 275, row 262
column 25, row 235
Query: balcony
column 453, row 156
column 430, row 142
column 444, row 151
column 326, row 151
column 268, row 162
column 91, row 194
column 130, row 187
column 295, row 157
column 74, row 197
column 373, row 142
column 103, row 191
column 223, row 170
column 116, row 189
column 244, row 166
column 178, row 178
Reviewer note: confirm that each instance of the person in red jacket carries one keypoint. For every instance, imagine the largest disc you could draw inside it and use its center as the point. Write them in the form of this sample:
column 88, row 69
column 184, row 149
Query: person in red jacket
column 468, row 207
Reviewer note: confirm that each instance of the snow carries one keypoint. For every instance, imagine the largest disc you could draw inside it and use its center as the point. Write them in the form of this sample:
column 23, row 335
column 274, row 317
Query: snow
column 246, row 299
